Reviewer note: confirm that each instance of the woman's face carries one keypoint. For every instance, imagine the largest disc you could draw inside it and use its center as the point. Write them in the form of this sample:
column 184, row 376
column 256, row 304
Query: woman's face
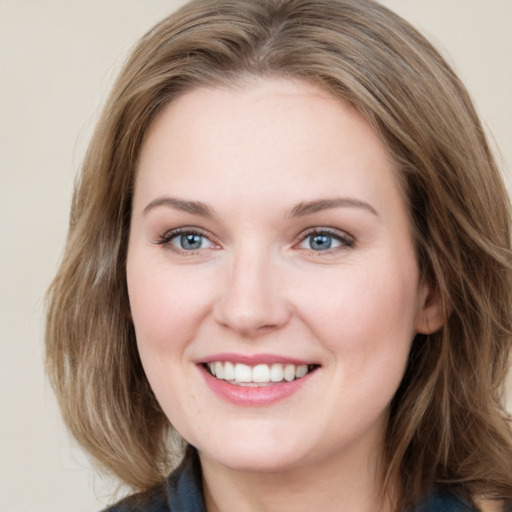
column 270, row 246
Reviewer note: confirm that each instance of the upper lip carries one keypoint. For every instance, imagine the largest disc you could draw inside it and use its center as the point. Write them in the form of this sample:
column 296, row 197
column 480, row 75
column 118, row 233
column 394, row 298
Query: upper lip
column 254, row 359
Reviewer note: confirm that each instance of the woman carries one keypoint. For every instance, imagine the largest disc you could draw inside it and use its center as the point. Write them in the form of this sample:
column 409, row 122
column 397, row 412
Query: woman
column 289, row 257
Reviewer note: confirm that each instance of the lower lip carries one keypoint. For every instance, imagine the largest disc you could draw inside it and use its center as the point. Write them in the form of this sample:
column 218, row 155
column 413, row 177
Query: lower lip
column 253, row 396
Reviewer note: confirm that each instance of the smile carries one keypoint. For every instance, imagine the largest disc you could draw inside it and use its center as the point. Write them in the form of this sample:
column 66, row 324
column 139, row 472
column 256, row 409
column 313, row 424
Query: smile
column 258, row 375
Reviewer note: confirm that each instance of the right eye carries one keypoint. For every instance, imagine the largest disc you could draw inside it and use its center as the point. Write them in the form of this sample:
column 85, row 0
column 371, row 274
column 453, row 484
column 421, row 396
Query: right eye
column 186, row 241
column 190, row 241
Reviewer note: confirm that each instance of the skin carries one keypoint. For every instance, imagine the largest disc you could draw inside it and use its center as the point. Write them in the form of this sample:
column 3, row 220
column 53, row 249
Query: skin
column 258, row 285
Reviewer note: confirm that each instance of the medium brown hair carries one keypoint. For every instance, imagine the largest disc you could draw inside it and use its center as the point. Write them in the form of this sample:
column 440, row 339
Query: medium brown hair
column 447, row 424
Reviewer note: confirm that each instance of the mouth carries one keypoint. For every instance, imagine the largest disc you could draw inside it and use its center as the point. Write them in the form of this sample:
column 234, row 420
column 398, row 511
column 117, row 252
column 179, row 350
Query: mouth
column 258, row 375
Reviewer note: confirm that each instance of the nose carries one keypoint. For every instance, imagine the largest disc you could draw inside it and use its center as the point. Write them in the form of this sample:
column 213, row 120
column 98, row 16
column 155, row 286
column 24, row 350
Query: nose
column 252, row 300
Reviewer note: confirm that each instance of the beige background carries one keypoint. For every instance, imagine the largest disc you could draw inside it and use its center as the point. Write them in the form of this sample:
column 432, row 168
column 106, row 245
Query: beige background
column 57, row 61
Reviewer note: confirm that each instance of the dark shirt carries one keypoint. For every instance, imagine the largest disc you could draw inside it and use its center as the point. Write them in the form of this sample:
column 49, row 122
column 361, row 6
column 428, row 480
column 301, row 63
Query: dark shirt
column 182, row 493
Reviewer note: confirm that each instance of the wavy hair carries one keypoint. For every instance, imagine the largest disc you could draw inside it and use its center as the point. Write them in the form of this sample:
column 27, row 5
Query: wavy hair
column 447, row 424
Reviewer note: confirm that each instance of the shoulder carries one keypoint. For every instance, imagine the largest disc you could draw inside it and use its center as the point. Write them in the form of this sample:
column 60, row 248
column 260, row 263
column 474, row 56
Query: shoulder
column 444, row 502
column 450, row 502
column 181, row 492
column 152, row 501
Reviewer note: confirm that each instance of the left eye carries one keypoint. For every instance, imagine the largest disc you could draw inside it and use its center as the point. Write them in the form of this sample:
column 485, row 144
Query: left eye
column 190, row 241
column 323, row 241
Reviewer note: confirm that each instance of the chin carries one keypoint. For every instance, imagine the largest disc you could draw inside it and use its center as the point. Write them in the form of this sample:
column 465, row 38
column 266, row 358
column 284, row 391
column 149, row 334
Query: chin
column 255, row 458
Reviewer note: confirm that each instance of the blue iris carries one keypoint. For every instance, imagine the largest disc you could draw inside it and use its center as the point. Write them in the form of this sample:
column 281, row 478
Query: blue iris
column 191, row 241
column 320, row 242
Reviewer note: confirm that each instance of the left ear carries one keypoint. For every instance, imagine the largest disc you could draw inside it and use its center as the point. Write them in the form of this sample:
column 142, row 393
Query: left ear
column 432, row 311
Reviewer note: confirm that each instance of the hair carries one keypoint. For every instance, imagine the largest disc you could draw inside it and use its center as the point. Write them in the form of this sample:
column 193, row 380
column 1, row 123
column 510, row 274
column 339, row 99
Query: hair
column 447, row 424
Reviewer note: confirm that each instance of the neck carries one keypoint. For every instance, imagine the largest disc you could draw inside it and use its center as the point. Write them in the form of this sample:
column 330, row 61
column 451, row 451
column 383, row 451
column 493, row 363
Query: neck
column 337, row 484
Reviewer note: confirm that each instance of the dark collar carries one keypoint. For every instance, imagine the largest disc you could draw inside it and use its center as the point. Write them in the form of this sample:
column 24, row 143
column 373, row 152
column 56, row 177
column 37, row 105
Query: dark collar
column 185, row 491
column 184, row 486
column 182, row 492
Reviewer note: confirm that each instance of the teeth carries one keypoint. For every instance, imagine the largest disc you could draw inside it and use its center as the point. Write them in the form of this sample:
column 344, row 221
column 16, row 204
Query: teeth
column 289, row 372
column 276, row 373
column 301, row 371
column 261, row 373
column 219, row 370
column 229, row 371
column 244, row 374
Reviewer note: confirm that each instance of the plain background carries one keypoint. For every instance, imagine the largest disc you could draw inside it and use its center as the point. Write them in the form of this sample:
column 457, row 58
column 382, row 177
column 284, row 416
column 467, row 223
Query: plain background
column 58, row 59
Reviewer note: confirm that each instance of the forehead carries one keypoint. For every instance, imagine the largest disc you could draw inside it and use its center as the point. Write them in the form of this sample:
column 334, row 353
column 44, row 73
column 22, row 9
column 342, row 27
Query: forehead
column 267, row 135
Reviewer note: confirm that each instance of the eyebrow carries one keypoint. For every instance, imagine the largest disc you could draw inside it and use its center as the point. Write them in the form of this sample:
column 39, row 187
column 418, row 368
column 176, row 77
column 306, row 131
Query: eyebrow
column 300, row 210
column 193, row 207
column 309, row 207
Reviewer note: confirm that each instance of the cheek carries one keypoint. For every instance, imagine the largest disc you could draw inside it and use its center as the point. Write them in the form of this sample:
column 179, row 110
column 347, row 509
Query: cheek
column 362, row 297
column 166, row 311
column 365, row 316
column 166, row 306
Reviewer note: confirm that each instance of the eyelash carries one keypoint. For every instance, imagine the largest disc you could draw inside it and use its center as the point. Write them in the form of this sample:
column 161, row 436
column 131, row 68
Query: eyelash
column 166, row 239
column 345, row 241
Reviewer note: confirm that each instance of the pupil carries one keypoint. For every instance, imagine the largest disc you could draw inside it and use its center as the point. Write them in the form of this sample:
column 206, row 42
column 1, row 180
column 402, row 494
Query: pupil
column 191, row 241
column 321, row 242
